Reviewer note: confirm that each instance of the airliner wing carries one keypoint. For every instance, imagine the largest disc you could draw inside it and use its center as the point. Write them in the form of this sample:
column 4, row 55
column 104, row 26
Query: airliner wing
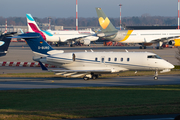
column 101, row 34
column 70, row 39
column 163, row 39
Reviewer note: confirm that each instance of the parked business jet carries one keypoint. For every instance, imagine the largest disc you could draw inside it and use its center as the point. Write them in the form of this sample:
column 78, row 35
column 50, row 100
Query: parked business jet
column 4, row 42
column 92, row 64
column 83, row 36
column 143, row 37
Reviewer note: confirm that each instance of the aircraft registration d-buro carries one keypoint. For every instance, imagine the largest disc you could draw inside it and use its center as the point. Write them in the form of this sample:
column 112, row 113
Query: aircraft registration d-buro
column 4, row 42
column 58, row 37
column 93, row 64
column 143, row 37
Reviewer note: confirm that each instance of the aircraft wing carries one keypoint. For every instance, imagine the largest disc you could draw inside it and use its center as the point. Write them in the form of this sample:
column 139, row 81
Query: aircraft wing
column 163, row 39
column 78, row 73
column 70, row 39
column 101, row 34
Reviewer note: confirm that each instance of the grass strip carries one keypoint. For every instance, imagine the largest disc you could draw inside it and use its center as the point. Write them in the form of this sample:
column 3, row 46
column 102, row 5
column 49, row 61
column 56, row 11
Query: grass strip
column 89, row 102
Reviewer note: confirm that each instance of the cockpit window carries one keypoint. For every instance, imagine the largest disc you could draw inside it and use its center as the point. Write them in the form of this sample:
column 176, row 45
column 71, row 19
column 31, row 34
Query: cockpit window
column 154, row 56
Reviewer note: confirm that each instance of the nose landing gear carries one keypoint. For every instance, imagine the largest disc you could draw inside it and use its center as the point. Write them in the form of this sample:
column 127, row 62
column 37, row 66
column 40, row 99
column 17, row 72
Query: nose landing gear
column 156, row 75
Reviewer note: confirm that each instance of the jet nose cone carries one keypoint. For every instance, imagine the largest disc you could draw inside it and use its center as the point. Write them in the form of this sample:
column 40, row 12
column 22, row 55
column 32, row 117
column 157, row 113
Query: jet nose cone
column 170, row 66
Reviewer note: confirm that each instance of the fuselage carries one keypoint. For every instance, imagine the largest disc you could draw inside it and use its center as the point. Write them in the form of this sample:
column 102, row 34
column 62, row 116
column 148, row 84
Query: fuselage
column 114, row 61
column 63, row 36
column 143, row 36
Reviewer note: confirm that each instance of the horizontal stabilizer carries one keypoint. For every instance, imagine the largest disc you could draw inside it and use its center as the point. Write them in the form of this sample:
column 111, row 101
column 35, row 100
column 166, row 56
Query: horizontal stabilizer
column 25, row 36
column 10, row 33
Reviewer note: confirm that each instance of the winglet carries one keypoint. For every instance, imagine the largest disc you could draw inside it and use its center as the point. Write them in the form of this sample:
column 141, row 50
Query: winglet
column 42, row 66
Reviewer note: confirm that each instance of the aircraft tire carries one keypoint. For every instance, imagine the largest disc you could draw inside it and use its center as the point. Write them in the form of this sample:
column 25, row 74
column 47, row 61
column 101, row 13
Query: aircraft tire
column 85, row 78
column 155, row 77
column 94, row 77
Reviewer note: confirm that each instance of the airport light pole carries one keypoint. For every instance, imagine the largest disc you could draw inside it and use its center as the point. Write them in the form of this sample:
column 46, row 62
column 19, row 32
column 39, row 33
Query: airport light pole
column 120, row 15
column 49, row 22
column 76, row 14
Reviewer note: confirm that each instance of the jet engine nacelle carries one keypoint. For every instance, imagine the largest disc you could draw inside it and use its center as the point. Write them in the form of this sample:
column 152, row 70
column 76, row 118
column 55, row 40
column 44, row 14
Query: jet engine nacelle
column 175, row 42
column 86, row 41
column 64, row 58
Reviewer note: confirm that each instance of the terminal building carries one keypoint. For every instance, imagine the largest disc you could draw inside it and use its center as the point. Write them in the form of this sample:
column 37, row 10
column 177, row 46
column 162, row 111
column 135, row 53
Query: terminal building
column 44, row 26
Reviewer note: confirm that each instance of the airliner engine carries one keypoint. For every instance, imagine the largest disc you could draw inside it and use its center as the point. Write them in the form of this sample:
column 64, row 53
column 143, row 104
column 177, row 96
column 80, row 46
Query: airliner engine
column 175, row 42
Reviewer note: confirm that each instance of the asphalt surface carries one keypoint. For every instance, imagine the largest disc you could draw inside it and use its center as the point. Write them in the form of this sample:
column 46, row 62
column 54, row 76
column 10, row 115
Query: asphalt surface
column 58, row 82
column 143, row 117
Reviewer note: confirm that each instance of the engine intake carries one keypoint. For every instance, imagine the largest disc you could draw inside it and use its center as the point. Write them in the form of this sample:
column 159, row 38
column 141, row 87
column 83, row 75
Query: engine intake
column 175, row 42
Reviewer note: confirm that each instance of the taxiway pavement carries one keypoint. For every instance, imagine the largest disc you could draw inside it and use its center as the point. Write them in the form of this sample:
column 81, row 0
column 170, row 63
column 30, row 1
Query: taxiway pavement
column 58, row 82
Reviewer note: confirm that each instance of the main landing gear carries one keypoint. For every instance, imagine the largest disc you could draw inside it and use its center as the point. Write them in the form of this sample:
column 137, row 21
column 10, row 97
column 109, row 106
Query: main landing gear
column 142, row 47
column 93, row 76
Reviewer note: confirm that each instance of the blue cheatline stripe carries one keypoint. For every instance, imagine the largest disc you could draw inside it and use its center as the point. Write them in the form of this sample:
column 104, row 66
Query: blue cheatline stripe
column 29, row 17
column 48, row 33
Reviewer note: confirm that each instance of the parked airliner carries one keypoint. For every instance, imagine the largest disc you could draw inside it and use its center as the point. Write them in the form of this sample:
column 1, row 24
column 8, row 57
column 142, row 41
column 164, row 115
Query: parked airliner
column 4, row 42
column 83, row 36
column 92, row 64
column 143, row 37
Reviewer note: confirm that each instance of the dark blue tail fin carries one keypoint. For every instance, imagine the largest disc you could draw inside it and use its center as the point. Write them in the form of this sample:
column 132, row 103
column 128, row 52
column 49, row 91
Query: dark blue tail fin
column 4, row 42
column 36, row 43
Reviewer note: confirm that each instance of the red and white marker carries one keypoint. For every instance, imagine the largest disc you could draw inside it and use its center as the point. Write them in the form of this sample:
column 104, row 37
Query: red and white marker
column 25, row 64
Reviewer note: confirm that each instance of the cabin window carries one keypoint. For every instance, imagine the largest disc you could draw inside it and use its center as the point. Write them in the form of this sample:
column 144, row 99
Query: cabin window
column 128, row 59
column 96, row 59
column 121, row 59
column 154, row 56
column 109, row 59
column 115, row 59
column 102, row 60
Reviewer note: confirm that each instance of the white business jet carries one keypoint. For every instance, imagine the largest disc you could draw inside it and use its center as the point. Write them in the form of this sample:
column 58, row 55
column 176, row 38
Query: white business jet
column 92, row 64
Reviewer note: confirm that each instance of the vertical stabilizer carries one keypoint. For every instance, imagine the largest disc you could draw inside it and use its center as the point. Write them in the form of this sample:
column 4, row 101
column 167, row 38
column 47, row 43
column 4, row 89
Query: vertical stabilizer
column 104, row 22
column 36, row 43
column 4, row 42
column 32, row 26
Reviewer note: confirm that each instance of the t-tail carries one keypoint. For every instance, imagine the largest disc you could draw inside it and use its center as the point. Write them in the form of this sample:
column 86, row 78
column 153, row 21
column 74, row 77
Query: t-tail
column 37, row 44
column 4, row 42
column 104, row 22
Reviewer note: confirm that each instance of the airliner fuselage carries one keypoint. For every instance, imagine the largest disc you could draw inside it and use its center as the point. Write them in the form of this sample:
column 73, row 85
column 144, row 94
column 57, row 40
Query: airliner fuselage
column 143, row 36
